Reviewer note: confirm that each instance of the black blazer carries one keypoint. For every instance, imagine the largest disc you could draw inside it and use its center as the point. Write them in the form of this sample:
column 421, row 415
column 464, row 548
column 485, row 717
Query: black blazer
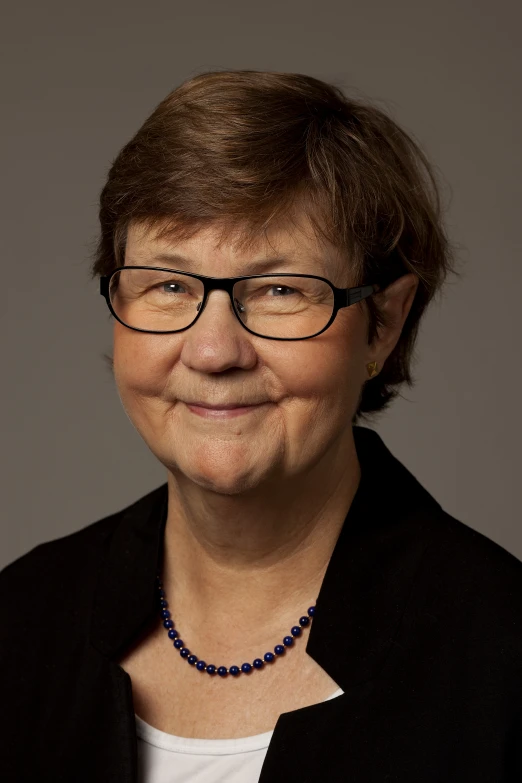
column 418, row 620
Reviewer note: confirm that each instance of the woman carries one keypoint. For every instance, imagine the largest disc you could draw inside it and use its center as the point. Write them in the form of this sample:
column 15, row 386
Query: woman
column 291, row 604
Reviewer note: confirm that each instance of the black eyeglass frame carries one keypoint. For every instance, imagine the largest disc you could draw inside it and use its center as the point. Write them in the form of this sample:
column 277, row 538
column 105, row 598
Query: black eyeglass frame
column 343, row 297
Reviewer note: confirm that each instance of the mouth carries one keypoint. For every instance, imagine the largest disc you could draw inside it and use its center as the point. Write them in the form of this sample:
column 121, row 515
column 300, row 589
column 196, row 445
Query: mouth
column 228, row 406
column 222, row 411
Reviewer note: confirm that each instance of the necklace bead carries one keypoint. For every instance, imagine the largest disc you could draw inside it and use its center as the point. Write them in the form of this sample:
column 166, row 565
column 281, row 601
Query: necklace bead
column 222, row 671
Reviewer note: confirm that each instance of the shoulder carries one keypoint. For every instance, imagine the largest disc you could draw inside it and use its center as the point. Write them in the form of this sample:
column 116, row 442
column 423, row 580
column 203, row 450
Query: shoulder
column 469, row 556
column 61, row 571
column 69, row 553
column 469, row 585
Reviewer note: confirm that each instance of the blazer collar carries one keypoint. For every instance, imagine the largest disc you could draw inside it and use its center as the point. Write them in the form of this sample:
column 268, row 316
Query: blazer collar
column 364, row 590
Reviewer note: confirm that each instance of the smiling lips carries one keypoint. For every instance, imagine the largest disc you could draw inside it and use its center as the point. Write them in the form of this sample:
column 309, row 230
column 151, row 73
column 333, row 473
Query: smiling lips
column 223, row 411
column 227, row 407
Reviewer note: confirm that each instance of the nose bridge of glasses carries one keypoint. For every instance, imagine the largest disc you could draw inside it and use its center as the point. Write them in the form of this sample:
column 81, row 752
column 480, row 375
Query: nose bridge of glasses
column 219, row 284
column 212, row 284
column 225, row 284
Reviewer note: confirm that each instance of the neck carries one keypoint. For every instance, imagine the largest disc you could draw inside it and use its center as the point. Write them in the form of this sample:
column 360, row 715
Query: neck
column 257, row 554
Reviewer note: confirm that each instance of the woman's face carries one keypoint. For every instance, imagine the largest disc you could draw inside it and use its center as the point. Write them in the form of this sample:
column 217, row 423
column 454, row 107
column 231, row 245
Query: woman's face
column 309, row 388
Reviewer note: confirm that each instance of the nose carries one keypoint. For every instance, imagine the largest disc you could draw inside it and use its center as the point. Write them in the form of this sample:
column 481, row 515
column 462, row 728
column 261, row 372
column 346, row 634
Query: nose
column 216, row 341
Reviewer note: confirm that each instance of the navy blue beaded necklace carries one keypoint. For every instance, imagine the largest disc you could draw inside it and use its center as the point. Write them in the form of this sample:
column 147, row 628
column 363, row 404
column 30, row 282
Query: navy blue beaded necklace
column 246, row 668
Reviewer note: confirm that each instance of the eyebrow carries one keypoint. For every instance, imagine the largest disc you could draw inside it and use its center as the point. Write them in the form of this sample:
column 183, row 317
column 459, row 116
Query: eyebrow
column 261, row 265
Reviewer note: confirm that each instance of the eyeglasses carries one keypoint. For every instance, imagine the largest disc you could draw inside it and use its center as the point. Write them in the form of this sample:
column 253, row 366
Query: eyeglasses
column 278, row 307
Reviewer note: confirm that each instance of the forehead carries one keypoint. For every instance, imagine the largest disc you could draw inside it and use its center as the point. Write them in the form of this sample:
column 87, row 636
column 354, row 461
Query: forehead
column 292, row 241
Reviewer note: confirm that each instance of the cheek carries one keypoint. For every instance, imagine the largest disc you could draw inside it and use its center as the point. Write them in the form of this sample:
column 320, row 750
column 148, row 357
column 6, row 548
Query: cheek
column 320, row 393
column 141, row 363
column 321, row 390
column 327, row 369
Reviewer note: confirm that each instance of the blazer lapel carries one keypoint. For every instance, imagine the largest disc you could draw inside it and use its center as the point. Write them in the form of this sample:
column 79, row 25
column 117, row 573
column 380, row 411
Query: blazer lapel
column 362, row 599
column 125, row 603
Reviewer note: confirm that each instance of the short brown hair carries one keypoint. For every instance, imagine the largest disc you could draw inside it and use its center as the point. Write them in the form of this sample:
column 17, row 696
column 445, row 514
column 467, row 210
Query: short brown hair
column 242, row 147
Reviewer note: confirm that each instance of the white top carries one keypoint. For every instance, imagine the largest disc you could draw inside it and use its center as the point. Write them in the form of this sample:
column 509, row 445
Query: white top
column 166, row 758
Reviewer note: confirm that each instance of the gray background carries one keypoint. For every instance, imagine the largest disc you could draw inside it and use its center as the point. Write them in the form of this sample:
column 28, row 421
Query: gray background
column 78, row 79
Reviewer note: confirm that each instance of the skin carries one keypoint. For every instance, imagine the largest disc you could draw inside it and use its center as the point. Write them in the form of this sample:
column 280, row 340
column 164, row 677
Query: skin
column 256, row 503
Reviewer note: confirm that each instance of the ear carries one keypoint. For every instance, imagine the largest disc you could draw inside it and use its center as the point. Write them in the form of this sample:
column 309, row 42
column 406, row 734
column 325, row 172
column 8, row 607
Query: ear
column 395, row 301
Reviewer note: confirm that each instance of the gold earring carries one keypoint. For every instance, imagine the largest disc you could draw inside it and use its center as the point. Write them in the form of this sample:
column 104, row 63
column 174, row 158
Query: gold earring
column 372, row 368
